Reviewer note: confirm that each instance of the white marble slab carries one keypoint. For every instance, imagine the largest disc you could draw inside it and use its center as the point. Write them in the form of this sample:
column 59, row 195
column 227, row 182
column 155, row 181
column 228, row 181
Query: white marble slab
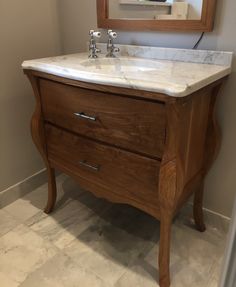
column 174, row 72
column 221, row 58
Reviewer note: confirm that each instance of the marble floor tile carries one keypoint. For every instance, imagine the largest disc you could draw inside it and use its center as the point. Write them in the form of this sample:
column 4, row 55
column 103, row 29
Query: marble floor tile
column 112, row 243
column 66, row 188
column 29, row 205
column 216, row 273
column 132, row 221
column 21, row 209
column 87, row 241
column 68, row 220
column 137, row 277
column 217, row 227
column 200, row 250
column 144, row 272
column 21, row 252
column 60, row 271
column 193, row 260
column 7, row 222
column 101, row 258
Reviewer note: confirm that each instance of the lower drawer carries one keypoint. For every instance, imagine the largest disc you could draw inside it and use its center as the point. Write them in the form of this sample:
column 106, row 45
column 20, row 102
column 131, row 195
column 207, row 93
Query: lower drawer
column 124, row 173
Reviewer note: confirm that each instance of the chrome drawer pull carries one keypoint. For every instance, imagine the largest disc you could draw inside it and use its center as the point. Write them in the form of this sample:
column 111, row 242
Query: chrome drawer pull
column 93, row 167
column 84, row 116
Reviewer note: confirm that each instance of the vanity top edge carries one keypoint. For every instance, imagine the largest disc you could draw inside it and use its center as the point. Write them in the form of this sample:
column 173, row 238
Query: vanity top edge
column 168, row 70
column 180, row 92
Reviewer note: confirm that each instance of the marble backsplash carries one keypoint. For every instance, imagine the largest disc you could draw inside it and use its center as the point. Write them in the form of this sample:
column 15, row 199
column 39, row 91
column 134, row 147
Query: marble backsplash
column 184, row 55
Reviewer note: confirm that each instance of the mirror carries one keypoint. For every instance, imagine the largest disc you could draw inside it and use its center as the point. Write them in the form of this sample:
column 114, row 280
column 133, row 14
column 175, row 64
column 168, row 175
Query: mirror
column 168, row 15
column 157, row 10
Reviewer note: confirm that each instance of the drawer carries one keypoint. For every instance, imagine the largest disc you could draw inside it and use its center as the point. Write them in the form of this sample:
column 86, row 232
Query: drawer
column 132, row 124
column 124, row 173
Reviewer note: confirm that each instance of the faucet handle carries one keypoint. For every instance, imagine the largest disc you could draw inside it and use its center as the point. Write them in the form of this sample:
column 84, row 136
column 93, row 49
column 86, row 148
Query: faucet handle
column 97, row 50
column 116, row 50
column 93, row 33
column 112, row 34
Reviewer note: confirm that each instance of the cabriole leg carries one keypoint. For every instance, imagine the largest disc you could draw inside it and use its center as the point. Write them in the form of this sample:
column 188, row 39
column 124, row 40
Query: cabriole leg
column 198, row 208
column 52, row 191
column 38, row 135
column 164, row 251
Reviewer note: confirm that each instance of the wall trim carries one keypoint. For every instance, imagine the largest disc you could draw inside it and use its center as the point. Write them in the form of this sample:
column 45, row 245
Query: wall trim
column 22, row 188
column 216, row 214
column 212, row 218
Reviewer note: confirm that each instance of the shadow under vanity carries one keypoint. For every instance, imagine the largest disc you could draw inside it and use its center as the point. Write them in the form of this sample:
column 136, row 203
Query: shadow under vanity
column 138, row 129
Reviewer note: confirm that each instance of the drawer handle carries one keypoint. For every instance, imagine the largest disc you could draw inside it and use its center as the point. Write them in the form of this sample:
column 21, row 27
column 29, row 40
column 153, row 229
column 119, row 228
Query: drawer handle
column 86, row 164
column 84, row 116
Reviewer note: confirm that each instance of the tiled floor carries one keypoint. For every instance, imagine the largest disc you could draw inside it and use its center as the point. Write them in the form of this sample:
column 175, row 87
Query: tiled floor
column 89, row 242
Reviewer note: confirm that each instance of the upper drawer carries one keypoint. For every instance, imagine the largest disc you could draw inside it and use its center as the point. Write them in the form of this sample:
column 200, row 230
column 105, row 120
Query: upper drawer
column 132, row 124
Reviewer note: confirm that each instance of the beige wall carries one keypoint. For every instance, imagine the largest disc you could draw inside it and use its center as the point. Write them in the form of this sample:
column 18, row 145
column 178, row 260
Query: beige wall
column 78, row 16
column 28, row 29
column 76, row 19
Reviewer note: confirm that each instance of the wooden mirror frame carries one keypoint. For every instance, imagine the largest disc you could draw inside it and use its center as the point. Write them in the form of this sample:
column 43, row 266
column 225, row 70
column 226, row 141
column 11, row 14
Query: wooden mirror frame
column 205, row 24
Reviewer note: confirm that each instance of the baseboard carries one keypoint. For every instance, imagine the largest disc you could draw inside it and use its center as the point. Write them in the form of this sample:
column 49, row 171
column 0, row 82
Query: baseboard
column 212, row 218
column 20, row 189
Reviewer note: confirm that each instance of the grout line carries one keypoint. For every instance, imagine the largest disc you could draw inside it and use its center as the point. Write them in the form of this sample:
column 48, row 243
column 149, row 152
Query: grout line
column 12, row 228
column 24, row 180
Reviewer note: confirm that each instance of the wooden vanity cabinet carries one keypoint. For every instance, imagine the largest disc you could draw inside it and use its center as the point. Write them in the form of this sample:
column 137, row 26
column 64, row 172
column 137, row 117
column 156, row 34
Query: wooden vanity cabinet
column 145, row 149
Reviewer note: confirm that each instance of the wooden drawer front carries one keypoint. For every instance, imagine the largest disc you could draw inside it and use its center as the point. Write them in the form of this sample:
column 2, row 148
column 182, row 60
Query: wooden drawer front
column 135, row 125
column 127, row 174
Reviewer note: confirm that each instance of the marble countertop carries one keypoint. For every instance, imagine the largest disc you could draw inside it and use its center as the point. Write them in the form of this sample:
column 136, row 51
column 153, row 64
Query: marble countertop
column 174, row 72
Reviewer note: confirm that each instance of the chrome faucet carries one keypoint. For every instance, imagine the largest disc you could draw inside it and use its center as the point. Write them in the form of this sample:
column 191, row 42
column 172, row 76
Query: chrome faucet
column 93, row 50
column 111, row 49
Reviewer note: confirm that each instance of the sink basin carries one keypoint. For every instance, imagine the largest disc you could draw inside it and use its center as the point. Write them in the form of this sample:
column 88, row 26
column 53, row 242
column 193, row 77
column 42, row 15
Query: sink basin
column 113, row 65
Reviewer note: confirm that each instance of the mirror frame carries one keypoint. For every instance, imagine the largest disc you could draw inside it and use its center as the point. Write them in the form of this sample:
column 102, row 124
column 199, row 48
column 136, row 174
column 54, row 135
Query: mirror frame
column 205, row 24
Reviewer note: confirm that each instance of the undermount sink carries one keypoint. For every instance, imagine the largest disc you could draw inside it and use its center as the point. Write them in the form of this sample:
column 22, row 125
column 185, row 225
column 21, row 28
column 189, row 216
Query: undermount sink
column 124, row 64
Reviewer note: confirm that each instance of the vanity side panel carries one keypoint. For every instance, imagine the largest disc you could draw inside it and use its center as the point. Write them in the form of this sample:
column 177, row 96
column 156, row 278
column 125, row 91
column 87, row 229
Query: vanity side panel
column 198, row 122
column 193, row 146
column 188, row 137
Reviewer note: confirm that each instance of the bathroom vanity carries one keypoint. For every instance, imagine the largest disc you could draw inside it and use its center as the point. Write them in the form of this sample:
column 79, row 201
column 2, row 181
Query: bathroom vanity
column 139, row 129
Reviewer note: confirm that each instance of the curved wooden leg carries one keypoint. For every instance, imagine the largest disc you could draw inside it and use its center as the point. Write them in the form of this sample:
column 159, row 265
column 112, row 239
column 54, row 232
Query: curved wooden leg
column 52, row 191
column 38, row 135
column 198, row 209
column 164, row 251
